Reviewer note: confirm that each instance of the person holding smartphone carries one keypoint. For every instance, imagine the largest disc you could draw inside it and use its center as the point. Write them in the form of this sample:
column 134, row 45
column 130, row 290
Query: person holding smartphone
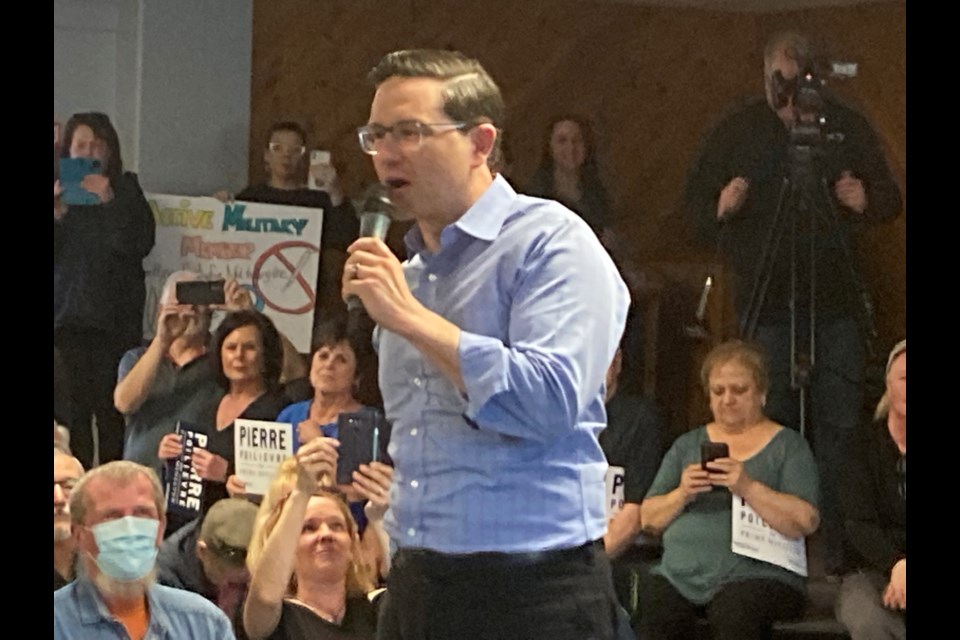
column 285, row 163
column 689, row 504
column 98, row 280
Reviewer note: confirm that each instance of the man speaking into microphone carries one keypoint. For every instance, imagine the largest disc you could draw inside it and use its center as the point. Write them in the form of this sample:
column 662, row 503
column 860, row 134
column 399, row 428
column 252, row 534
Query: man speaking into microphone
column 494, row 339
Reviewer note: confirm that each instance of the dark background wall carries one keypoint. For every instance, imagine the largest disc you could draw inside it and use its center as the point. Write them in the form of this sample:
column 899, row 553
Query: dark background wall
column 652, row 79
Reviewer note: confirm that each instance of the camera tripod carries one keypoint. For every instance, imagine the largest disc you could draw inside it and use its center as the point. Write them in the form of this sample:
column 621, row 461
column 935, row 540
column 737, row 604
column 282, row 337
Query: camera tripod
column 804, row 208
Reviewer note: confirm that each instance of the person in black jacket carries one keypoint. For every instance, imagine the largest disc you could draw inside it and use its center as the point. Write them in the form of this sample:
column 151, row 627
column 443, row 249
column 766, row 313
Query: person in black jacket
column 98, row 282
column 208, row 556
column 873, row 599
column 569, row 172
column 285, row 159
column 734, row 194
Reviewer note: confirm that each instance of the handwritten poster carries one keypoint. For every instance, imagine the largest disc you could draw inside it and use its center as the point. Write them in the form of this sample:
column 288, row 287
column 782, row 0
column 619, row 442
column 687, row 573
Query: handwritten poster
column 272, row 250
column 259, row 449
column 754, row 538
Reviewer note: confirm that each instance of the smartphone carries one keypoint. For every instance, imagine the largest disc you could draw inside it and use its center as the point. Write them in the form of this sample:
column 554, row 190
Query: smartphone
column 317, row 157
column 72, row 173
column 364, row 436
column 710, row 451
column 200, row 292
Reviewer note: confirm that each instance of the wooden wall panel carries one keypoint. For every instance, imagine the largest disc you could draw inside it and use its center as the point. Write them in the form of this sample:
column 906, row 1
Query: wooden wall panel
column 652, row 80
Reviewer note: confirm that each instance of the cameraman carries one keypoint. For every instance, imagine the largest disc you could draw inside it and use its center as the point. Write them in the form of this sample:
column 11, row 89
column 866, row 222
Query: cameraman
column 734, row 192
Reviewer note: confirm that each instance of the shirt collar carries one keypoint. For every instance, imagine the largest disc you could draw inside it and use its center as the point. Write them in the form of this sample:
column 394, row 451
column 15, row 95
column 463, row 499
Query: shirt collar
column 93, row 609
column 483, row 220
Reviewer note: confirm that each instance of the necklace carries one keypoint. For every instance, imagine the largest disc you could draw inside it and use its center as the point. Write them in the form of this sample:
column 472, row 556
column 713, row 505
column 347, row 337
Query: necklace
column 335, row 617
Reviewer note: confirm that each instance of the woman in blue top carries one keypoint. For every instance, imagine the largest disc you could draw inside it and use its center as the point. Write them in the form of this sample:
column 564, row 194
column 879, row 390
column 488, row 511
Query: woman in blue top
column 769, row 467
column 335, row 382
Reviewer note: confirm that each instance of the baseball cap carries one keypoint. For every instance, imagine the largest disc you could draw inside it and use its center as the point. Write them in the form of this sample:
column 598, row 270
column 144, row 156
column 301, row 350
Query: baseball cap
column 228, row 527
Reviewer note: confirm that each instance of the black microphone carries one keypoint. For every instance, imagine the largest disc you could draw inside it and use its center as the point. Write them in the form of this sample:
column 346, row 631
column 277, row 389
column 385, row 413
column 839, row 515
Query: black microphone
column 375, row 215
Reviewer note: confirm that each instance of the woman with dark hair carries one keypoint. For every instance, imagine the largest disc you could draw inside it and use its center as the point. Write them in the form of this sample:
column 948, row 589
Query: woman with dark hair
column 248, row 360
column 334, row 379
column 568, row 171
column 98, row 282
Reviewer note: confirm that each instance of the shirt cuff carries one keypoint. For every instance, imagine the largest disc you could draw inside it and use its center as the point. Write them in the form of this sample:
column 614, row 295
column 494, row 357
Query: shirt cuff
column 482, row 369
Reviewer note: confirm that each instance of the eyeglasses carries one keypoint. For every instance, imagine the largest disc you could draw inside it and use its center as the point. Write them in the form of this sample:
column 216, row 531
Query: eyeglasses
column 283, row 149
column 409, row 134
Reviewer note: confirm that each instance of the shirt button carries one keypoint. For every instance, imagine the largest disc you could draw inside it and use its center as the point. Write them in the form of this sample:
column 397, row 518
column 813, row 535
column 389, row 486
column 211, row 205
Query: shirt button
column 432, row 277
column 411, row 532
column 414, row 431
column 418, row 382
column 414, row 484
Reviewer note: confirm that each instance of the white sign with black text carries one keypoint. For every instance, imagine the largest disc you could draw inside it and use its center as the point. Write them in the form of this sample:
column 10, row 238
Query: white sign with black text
column 614, row 482
column 259, row 448
column 754, row 538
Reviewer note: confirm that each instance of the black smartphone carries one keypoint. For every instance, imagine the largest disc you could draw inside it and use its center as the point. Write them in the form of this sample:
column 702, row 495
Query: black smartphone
column 710, row 451
column 364, row 436
column 201, row 292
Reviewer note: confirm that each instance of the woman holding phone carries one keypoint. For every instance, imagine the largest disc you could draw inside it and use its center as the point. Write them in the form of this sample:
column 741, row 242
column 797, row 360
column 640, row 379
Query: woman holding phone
column 335, row 381
column 309, row 574
column 98, row 278
column 690, row 504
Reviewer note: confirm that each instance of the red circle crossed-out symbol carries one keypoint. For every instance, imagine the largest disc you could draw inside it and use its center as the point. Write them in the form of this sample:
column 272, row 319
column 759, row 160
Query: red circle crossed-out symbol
column 276, row 251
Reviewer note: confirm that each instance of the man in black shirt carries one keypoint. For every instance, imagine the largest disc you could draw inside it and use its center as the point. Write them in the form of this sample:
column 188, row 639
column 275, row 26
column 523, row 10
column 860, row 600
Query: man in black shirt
column 285, row 157
column 734, row 193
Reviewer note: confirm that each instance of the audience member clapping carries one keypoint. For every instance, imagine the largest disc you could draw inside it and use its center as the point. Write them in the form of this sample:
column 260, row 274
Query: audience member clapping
column 873, row 600
column 770, row 468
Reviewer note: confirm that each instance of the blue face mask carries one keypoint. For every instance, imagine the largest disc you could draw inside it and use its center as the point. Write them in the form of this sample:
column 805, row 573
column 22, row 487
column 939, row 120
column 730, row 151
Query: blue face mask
column 128, row 546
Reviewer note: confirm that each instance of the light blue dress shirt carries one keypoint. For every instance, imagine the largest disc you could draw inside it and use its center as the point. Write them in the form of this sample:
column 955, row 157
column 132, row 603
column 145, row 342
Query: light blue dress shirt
column 514, row 465
column 79, row 613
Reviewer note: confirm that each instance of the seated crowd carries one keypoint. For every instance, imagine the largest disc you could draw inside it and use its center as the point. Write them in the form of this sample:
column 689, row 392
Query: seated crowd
column 299, row 565
column 310, row 557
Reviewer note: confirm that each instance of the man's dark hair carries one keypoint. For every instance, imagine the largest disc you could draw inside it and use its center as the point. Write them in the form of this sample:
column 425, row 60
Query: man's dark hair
column 272, row 355
column 287, row 125
column 102, row 129
column 469, row 93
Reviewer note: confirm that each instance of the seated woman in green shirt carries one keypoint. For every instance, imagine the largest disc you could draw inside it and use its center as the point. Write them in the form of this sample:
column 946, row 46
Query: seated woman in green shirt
column 769, row 467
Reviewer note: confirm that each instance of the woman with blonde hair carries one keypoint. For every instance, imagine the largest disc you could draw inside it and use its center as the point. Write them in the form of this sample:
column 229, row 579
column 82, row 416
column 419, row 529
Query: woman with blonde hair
column 873, row 599
column 308, row 575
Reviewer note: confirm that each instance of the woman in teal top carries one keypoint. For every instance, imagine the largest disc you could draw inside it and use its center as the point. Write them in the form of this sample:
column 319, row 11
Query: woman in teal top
column 769, row 467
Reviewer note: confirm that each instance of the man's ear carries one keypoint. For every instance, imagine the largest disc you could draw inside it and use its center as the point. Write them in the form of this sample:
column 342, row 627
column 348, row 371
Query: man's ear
column 202, row 549
column 483, row 136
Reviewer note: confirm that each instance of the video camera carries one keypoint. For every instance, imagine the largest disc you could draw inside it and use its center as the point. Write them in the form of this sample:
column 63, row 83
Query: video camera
column 806, row 93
